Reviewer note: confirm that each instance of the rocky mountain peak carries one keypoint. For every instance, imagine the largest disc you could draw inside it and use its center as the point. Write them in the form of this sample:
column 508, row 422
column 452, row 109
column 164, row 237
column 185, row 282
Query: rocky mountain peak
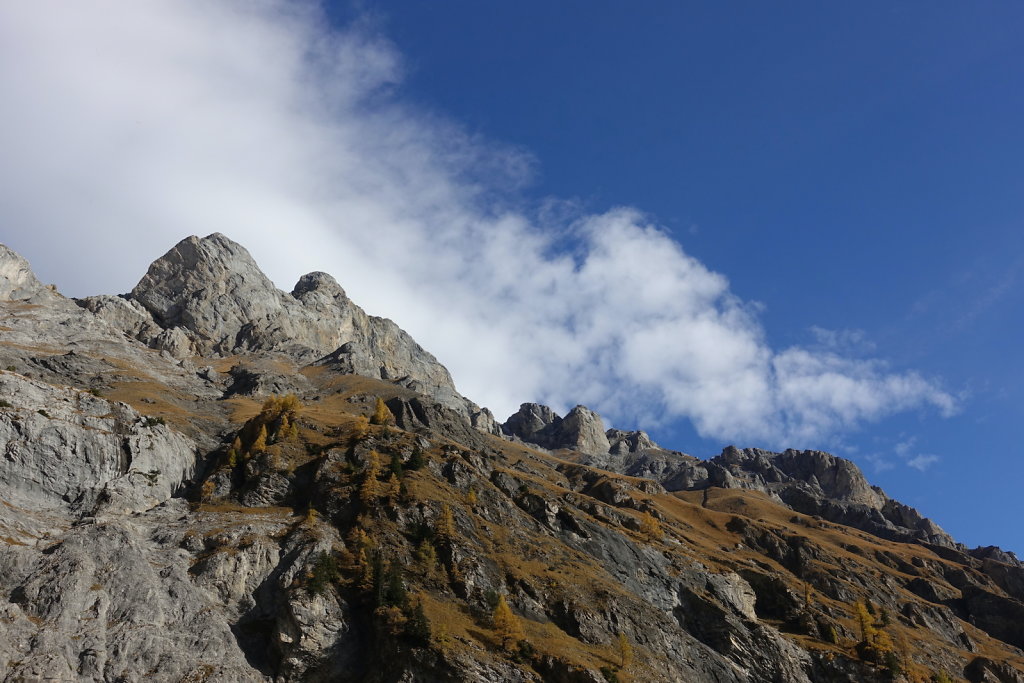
column 584, row 430
column 17, row 281
column 622, row 442
column 210, row 286
column 320, row 283
column 530, row 422
column 581, row 430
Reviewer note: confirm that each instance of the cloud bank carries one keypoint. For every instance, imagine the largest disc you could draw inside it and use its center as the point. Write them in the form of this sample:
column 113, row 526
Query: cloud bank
column 130, row 125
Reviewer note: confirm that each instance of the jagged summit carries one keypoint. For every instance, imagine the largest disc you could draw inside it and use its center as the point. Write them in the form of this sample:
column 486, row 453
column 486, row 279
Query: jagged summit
column 811, row 482
column 166, row 512
column 206, row 285
column 17, row 281
column 207, row 296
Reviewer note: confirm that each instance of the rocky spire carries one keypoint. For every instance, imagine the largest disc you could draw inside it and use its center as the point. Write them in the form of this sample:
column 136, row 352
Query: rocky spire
column 211, row 290
column 211, row 287
column 17, row 281
column 581, row 430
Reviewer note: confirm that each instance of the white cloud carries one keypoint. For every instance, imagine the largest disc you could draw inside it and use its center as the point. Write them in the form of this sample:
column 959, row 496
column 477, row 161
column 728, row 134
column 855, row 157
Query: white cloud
column 129, row 125
column 904, row 448
column 922, row 462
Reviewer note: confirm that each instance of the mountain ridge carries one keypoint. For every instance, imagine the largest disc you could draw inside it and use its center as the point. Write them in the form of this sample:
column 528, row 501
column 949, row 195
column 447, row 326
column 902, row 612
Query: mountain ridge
column 142, row 411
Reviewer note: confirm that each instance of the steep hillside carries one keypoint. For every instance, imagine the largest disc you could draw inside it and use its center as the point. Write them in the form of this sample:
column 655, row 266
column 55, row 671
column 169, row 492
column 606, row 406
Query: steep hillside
column 208, row 479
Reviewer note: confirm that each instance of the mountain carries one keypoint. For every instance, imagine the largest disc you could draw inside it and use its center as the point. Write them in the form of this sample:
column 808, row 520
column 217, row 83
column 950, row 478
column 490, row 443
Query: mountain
column 209, row 479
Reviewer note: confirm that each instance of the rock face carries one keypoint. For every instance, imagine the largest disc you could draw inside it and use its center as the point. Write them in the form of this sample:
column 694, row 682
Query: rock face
column 214, row 292
column 581, row 430
column 68, row 451
column 810, row 482
column 166, row 513
column 17, row 281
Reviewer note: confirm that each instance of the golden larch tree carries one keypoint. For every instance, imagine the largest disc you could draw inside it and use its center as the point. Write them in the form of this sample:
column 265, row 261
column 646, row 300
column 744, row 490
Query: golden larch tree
column 507, row 626
column 260, row 443
column 625, row 650
column 370, row 491
column 446, row 525
column 650, row 527
column 381, row 414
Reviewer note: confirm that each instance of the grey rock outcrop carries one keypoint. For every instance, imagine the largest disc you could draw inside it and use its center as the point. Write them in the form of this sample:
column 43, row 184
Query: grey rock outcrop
column 207, row 296
column 17, row 281
column 584, row 431
column 811, row 482
column 69, row 451
column 533, row 423
column 581, row 430
column 817, row 483
column 211, row 289
column 622, row 442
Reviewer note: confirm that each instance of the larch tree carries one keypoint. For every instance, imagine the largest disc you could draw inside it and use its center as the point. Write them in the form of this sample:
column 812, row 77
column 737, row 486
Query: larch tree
column 381, row 414
column 370, row 491
column 507, row 626
column 446, row 525
column 650, row 527
column 625, row 650
column 260, row 442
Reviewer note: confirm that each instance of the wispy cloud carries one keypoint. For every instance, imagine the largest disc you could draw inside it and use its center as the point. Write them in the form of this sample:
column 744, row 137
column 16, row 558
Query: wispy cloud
column 128, row 125
column 843, row 341
column 922, row 462
column 880, row 463
column 904, row 448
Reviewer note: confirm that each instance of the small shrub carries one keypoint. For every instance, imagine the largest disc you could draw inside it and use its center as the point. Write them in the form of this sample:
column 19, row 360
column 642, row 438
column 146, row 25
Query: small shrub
column 396, row 465
column 5, row 404
column 323, row 573
column 43, row 413
column 491, row 597
column 11, row 368
column 650, row 527
column 418, row 627
column 417, row 459
column 96, row 392
column 360, row 429
column 426, row 556
column 153, row 421
column 526, row 650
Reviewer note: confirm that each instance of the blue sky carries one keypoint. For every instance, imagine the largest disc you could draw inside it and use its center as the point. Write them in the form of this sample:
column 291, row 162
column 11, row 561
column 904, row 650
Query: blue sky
column 856, row 167
column 747, row 224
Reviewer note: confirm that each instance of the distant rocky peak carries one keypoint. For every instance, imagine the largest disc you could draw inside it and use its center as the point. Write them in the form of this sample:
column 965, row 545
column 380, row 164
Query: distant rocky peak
column 530, row 421
column 581, row 429
column 199, row 259
column 836, row 478
column 17, row 281
column 622, row 442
